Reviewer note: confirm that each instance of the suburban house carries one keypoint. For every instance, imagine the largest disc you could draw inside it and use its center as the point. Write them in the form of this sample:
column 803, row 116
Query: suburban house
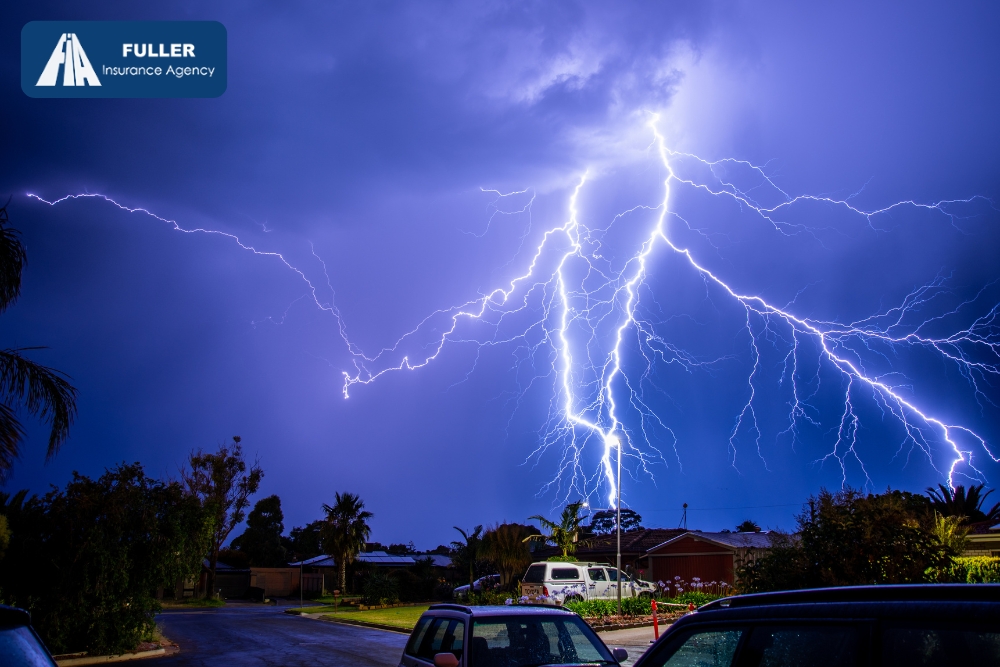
column 984, row 540
column 707, row 556
column 660, row 554
column 320, row 574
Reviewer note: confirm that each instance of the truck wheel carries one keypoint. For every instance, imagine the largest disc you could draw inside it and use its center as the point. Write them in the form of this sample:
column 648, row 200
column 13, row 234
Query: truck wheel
column 645, row 595
column 572, row 598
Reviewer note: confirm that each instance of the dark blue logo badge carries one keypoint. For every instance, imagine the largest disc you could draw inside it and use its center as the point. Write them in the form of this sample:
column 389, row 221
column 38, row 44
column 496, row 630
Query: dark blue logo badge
column 123, row 59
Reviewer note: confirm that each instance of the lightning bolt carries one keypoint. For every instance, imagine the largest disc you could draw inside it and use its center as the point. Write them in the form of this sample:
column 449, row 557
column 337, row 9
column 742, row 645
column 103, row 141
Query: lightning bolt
column 575, row 314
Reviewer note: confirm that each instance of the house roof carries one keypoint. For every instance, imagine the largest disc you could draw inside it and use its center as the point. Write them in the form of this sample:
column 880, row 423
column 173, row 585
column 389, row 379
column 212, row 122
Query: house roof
column 382, row 558
column 729, row 540
column 634, row 543
column 373, row 557
column 438, row 560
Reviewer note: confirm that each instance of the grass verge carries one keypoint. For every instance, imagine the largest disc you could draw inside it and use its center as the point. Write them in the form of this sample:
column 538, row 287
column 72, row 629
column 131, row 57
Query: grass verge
column 403, row 618
column 191, row 602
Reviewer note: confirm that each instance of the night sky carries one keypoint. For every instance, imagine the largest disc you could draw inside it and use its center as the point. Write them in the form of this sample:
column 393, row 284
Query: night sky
column 369, row 144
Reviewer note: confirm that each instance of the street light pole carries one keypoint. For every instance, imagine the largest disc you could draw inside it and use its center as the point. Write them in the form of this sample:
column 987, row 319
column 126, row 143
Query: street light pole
column 618, row 527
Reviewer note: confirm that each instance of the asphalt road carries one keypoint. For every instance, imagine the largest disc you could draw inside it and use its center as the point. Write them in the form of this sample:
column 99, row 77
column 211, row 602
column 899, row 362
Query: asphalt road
column 257, row 635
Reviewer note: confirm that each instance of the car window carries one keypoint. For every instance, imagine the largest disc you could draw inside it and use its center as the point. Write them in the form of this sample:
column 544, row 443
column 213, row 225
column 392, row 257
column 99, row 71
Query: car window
column 527, row 641
column 443, row 635
column 612, row 575
column 19, row 646
column 535, row 574
column 596, row 574
column 565, row 573
column 930, row 647
column 802, row 646
column 709, row 648
column 417, row 636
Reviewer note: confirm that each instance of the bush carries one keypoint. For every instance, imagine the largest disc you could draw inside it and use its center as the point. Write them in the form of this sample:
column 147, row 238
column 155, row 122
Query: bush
column 86, row 561
column 635, row 606
column 379, row 588
column 975, row 570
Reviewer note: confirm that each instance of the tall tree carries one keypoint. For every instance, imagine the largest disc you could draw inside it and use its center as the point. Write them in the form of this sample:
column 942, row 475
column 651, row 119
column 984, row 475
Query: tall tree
column 748, row 526
column 224, row 485
column 468, row 551
column 602, row 522
column 504, row 546
column 261, row 541
column 345, row 531
column 41, row 391
column 564, row 534
column 962, row 503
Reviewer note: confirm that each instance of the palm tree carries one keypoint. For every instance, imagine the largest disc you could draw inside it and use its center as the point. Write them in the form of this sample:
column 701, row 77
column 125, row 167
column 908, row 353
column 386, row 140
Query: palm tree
column 564, row 534
column 345, row 531
column 43, row 392
column 504, row 547
column 959, row 502
column 468, row 551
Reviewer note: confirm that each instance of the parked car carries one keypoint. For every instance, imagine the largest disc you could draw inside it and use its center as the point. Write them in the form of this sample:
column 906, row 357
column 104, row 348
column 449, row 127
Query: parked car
column 489, row 581
column 20, row 645
column 504, row 636
column 558, row 583
column 927, row 625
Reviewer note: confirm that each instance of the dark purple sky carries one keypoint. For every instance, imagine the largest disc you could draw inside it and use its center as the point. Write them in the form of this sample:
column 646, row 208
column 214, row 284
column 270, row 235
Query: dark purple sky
column 374, row 136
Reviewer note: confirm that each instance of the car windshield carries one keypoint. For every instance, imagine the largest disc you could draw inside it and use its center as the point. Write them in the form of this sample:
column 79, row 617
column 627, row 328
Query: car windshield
column 530, row 641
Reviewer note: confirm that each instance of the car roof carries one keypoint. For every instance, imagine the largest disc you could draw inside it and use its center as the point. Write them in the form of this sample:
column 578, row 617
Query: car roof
column 856, row 594
column 504, row 610
column 12, row 616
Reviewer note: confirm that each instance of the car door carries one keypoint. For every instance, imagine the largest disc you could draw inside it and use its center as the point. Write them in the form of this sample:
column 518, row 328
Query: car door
column 597, row 587
column 613, row 582
column 433, row 635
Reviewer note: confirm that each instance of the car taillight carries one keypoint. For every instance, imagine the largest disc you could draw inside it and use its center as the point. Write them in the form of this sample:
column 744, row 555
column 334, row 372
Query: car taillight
column 545, row 591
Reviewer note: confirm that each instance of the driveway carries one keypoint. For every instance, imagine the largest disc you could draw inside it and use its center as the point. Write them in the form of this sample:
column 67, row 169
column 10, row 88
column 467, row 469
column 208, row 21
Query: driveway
column 246, row 634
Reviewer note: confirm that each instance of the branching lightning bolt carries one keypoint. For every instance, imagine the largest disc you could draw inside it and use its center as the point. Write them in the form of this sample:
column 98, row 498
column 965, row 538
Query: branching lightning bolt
column 574, row 317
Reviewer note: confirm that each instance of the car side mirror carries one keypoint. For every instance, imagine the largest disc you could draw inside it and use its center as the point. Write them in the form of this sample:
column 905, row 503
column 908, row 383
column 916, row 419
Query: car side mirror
column 619, row 654
column 445, row 660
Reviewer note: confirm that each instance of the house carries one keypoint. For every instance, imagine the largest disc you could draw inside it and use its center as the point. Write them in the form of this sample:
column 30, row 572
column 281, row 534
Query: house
column 707, row 556
column 984, row 540
column 603, row 548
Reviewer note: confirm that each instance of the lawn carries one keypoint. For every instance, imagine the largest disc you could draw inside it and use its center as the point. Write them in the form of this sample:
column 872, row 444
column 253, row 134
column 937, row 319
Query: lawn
column 403, row 618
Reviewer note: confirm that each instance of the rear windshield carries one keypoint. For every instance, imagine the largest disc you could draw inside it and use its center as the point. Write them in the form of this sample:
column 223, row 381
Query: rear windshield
column 535, row 574
column 565, row 573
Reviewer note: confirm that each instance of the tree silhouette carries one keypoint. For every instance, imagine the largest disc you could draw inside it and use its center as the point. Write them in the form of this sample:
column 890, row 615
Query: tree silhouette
column 748, row 526
column 345, row 531
column 224, row 485
column 41, row 391
column 959, row 502
column 564, row 534
column 468, row 551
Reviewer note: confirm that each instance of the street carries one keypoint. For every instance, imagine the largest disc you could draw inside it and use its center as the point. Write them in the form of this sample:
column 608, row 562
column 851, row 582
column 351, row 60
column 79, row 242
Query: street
column 249, row 634
column 245, row 634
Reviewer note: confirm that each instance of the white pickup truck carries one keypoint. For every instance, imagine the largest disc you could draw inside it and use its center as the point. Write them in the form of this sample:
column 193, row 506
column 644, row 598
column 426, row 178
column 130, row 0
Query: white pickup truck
column 557, row 583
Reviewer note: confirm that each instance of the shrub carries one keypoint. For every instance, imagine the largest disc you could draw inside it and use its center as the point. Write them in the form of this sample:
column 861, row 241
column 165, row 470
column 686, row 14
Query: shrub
column 976, row 570
column 634, row 606
column 379, row 588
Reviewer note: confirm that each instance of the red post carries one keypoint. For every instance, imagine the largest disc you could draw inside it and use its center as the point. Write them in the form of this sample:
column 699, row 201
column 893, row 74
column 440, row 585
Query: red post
column 656, row 622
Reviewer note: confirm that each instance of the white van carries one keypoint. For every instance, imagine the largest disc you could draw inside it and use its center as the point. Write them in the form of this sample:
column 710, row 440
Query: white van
column 562, row 582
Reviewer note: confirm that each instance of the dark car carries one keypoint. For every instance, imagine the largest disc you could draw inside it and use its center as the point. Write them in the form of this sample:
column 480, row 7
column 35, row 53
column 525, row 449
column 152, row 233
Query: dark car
column 448, row 635
column 877, row 626
column 19, row 645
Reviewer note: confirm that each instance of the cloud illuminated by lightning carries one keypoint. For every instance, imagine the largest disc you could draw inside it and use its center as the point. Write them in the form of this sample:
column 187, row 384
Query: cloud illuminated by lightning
column 579, row 319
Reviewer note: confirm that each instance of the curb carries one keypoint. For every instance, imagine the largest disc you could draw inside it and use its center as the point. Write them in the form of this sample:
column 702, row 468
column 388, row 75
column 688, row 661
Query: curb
column 102, row 659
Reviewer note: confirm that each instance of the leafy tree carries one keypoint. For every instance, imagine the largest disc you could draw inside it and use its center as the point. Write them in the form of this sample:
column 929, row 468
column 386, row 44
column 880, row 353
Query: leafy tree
column 849, row 538
column 261, row 541
column 505, row 548
column 960, row 503
column 223, row 484
column 468, row 552
column 564, row 534
column 401, row 549
column 950, row 533
column 41, row 391
column 603, row 521
column 87, row 560
column 304, row 541
column 345, row 531
column 748, row 526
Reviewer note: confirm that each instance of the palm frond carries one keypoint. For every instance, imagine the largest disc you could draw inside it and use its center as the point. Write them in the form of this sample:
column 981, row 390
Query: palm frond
column 11, row 434
column 44, row 392
column 12, row 261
